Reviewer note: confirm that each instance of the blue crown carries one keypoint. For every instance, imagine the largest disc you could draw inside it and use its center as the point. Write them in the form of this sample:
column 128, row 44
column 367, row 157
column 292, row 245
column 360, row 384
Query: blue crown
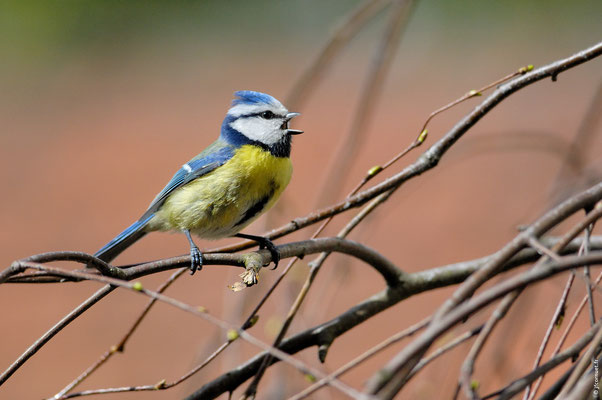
column 251, row 97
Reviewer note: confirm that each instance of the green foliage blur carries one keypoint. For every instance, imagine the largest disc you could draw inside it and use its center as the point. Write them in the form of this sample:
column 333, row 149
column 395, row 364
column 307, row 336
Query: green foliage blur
column 40, row 32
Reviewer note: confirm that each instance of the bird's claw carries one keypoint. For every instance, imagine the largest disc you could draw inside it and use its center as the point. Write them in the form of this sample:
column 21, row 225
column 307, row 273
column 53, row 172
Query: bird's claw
column 264, row 243
column 271, row 247
column 196, row 260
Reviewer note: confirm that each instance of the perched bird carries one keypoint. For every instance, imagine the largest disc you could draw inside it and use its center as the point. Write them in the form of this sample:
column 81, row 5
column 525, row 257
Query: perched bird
column 228, row 185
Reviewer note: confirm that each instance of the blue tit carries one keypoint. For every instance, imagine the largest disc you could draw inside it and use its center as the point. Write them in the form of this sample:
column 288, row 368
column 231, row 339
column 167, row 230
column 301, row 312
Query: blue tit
column 228, row 185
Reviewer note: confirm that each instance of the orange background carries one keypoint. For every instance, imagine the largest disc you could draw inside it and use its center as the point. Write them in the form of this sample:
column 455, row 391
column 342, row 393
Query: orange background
column 101, row 102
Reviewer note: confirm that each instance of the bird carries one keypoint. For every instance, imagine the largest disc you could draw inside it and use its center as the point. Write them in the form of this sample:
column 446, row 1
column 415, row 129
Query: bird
column 228, row 185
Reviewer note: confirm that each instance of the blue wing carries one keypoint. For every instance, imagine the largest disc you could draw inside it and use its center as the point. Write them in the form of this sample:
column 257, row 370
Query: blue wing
column 215, row 155
column 122, row 241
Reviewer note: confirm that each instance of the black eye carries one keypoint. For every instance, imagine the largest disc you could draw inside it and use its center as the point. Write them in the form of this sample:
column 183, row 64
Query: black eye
column 267, row 115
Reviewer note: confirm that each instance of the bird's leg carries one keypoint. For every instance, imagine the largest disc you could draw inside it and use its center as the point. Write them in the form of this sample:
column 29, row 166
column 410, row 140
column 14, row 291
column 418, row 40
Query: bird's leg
column 196, row 259
column 264, row 243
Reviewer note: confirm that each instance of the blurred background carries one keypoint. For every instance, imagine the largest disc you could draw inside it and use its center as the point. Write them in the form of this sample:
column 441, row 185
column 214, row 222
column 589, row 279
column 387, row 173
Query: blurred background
column 102, row 101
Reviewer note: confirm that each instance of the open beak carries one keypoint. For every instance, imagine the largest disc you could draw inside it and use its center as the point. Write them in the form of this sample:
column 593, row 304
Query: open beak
column 290, row 116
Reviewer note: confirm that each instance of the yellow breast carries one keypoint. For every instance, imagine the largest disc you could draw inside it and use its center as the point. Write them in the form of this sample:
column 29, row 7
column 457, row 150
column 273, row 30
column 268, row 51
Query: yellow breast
column 227, row 199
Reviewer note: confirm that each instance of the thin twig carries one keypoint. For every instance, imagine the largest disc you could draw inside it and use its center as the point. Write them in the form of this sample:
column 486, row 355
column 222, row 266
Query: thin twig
column 588, row 279
column 121, row 345
column 541, row 249
column 394, row 374
column 468, row 366
column 566, row 332
column 431, row 157
column 582, row 364
column 584, row 224
column 444, row 349
column 305, row 289
column 519, row 384
column 161, row 385
column 386, row 388
column 576, row 155
column 234, row 332
column 388, row 270
column 399, row 13
column 474, row 93
column 391, row 274
column 324, row 333
column 361, row 358
column 341, row 36
column 557, row 313
column 66, row 320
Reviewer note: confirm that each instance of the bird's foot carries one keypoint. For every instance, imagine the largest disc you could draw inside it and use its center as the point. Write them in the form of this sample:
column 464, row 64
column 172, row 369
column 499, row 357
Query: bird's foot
column 196, row 260
column 265, row 243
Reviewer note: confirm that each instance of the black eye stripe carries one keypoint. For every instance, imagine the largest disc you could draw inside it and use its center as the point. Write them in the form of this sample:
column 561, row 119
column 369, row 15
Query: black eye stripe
column 261, row 114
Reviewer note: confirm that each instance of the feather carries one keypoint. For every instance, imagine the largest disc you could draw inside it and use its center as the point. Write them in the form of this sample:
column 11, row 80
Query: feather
column 217, row 154
column 122, row 241
column 212, row 157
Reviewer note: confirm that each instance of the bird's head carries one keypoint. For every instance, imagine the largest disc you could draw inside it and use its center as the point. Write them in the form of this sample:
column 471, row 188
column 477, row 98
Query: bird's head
column 261, row 119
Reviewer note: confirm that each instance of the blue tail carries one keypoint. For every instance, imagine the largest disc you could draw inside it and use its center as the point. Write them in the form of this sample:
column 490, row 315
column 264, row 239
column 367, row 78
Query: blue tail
column 122, row 241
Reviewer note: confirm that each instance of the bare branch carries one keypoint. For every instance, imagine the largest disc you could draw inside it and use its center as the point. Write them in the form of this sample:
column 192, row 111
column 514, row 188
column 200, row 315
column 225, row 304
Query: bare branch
column 383, row 266
column 432, row 156
column 397, row 370
column 342, row 35
column 400, row 11
column 387, row 387
column 326, row 333
column 66, row 320
column 121, row 345
column 515, row 387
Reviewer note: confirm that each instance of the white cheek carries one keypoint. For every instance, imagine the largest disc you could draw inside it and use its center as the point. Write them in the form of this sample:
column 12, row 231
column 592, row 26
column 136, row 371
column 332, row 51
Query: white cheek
column 261, row 130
